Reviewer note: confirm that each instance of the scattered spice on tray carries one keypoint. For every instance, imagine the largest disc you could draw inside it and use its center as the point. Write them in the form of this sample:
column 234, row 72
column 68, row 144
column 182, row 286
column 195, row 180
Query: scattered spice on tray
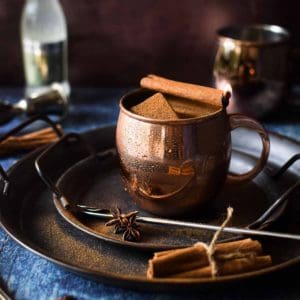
column 156, row 107
column 28, row 141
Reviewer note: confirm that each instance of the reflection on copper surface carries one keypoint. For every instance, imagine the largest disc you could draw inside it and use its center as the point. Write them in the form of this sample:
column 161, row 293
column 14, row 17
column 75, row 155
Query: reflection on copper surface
column 171, row 167
column 254, row 60
column 167, row 162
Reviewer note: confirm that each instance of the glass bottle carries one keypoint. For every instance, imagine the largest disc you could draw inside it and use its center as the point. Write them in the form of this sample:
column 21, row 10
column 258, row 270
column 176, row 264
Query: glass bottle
column 44, row 45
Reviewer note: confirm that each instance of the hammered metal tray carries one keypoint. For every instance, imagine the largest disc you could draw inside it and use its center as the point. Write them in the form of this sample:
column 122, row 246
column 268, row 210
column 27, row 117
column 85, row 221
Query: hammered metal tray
column 30, row 217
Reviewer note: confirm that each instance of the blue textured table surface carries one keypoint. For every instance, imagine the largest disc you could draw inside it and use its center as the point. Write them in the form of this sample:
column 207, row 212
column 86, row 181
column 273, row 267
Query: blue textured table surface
column 25, row 275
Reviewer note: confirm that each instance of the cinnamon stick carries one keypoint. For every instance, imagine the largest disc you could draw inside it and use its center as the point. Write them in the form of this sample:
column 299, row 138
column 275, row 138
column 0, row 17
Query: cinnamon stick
column 38, row 133
column 171, row 262
column 181, row 89
column 177, row 261
column 189, row 108
column 28, row 141
column 229, row 267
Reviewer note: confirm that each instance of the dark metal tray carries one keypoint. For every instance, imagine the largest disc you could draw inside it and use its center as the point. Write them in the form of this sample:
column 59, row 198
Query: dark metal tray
column 97, row 183
column 27, row 213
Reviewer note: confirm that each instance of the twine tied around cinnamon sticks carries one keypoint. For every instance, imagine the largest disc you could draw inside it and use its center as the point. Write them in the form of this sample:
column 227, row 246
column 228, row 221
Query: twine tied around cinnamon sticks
column 201, row 260
column 210, row 249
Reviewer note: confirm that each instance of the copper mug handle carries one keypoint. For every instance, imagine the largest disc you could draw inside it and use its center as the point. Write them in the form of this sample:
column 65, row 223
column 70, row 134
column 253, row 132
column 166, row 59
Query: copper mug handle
column 236, row 121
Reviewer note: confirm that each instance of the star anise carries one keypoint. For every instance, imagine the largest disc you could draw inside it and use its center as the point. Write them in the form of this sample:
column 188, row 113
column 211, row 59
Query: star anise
column 132, row 232
column 126, row 224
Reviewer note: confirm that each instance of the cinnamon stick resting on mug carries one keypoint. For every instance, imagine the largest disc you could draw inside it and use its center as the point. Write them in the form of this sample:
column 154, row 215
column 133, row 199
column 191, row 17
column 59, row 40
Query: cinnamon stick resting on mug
column 192, row 262
column 184, row 90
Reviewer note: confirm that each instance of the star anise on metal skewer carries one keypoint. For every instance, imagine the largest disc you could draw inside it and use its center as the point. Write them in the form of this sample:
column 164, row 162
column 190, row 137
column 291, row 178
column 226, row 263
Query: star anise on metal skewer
column 126, row 224
column 132, row 233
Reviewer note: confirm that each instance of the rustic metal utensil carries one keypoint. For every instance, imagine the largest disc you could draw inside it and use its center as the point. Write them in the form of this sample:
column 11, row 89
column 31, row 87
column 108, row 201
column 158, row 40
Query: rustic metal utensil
column 102, row 214
column 51, row 102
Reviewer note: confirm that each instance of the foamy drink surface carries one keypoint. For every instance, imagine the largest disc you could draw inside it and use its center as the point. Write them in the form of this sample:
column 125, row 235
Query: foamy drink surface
column 155, row 107
column 171, row 107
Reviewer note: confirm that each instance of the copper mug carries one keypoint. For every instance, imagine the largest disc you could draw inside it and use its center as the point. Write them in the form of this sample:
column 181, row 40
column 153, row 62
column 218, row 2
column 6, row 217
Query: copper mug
column 171, row 167
column 254, row 60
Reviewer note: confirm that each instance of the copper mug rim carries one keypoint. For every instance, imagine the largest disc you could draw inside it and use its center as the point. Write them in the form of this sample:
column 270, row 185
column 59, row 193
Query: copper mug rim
column 188, row 120
column 238, row 34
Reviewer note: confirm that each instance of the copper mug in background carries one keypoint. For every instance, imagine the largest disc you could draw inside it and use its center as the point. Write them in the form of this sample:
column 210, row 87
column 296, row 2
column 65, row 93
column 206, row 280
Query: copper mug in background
column 171, row 167
column 254, row 60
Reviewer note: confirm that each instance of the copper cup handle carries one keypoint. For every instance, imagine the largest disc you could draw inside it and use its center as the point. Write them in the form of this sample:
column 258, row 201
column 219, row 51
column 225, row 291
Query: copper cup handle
column 237, row 120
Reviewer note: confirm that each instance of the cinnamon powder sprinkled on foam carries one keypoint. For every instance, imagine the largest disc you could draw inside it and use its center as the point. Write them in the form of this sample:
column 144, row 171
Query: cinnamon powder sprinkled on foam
column 155, row 107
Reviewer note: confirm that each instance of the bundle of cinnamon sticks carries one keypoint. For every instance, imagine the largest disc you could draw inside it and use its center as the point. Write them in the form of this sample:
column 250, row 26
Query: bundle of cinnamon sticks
column 28, row 141
column 192, row 262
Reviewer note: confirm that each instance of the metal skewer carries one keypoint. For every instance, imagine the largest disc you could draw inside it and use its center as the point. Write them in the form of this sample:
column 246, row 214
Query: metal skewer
column 102, row 214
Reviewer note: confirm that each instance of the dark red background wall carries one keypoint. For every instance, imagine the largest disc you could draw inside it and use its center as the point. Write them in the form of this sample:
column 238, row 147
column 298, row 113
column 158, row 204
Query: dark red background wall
column 114, row 42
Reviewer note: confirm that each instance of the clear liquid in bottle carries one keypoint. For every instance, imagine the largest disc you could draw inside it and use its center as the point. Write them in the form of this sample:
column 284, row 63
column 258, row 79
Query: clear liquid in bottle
column 44, row 43
column 44, row 63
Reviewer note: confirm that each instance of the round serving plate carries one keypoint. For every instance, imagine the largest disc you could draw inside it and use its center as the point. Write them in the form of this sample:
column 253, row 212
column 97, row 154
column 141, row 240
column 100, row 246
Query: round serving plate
column 97, row 183
column 28, row 214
